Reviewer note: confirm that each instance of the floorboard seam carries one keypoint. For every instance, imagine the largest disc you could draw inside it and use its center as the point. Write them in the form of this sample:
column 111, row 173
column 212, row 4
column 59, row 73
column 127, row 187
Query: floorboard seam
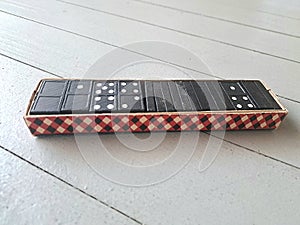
column 32, row 66
column 261, row 11
column 182, row 32
column 212, row 17
column 150, row 24
column 253, row 151
column 72, row 186
column 174, row 64
column 289, row 99
column 279, row 15
column 152, row 58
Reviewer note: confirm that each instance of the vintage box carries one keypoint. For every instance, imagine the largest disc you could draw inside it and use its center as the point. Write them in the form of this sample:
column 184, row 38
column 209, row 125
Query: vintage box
column 146, row 121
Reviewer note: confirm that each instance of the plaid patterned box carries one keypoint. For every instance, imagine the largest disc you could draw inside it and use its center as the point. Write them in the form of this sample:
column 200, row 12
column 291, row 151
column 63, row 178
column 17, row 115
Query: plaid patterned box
column 158, row 121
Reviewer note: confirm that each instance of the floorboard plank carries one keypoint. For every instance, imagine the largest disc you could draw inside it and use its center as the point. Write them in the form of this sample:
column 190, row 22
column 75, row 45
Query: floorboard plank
column 286, row 138
column 67, row 54
column 219, row 194
column 30, row 196
column 282, row 8
column 229, row 13
column 221, row 32
column 252, row 170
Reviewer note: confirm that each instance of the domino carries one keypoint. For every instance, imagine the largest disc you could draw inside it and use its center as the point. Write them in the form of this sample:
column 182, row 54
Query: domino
column 62, row 106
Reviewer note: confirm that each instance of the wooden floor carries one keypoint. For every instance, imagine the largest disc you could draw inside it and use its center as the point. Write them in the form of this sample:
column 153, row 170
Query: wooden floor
column 255, row 178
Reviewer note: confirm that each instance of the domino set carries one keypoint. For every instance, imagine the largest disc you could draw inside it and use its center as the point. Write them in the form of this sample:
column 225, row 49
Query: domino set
column 62, row 106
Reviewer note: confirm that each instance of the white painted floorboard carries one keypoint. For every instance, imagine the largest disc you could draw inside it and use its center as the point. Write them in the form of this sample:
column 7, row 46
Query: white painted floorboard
column 46, row 47
column 30, row 196
column 204, row 27
column 241, row 12
column 255, row 178
column 283, row 8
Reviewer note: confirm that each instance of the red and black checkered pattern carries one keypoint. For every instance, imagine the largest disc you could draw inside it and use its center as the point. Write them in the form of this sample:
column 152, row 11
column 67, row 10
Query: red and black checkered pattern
column 110, row 123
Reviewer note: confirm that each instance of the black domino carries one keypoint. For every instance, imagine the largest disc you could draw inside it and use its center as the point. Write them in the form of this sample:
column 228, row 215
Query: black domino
column 76, row 103
column 189, row 89
column 167, row 96
column 130, row 96
column 149, row 97
column 46, row 105
column 261, row 97
column 129, row 87
column 131, row 103
column 232, row 88
column 105, row 88
column 159, row 97
column 104, row 103
column 112, row 96
column 187, row 105
column 50, row 97
column 175, row 95
column 79, row 87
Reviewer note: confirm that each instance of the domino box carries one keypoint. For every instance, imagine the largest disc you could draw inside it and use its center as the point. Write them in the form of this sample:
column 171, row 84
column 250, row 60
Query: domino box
column 69, row 106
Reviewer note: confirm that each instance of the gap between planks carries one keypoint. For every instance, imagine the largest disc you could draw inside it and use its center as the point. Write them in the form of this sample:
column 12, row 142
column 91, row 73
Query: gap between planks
column 82, row 191
column 106, row 43
column 228, row 141
column 72, row 186
column 208, row 16
column 112, row 45
column 153, row 25
column 175, row 30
